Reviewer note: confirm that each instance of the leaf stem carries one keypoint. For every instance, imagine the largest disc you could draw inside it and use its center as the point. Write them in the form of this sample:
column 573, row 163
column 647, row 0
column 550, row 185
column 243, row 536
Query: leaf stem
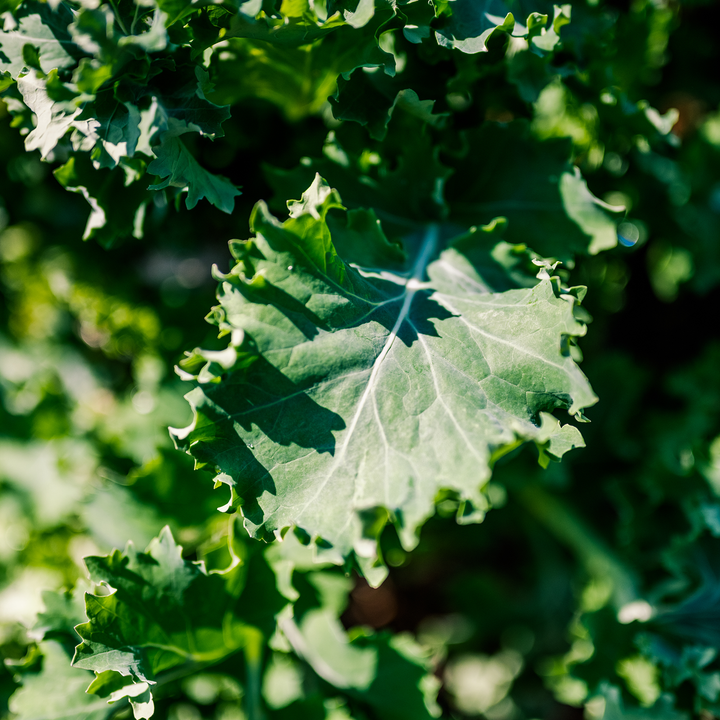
column 253, row 661
column 135, row 18
column 117, row 17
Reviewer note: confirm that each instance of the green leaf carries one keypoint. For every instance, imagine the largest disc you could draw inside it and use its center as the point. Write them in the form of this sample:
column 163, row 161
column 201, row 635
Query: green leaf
column 372, row 392
column 615, row 709
column 183, row 106
column 416, row 16
column 166, row 614
column 175, row 163
column 558, row 439
column 472, row 24
column 176, row 9
column 117, row 205
column 366, row 99
column 57, row 692
column 62, row 612
column 298, row 80
column 361, row 13
column 294, row 79
column 370, row 98
column 405, row 191
column 530, row 74
column 691, row 663
column 112, row 131
column 296, row 24
column 100, row 32
column 359, row 238
column 696, row 618
column 154, row 39
column 53, row 117
column 136, row 115
column 544, row 40
column 548, row 205
column 387, row 672
column 46, row 30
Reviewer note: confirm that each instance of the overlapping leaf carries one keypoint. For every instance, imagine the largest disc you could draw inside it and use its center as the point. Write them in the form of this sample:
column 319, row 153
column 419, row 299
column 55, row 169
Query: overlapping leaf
column 42, row 30
column 125, row 82
column 179, row 168
column 92, row 74
column 405, row 190
column 389, row 673
column 469, row 25
column 372, row 391
column 297, row 79
column 615, row 709
column 167, row 613
column 117, row 206
column 161, row 607
column 57, row 691
column 548, row 204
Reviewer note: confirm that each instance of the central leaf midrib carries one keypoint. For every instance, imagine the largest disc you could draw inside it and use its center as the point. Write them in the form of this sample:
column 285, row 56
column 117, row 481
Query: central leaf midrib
column 411, row 288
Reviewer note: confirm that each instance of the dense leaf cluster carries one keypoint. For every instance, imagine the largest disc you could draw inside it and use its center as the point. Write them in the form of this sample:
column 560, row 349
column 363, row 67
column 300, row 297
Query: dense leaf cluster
column 390, row 375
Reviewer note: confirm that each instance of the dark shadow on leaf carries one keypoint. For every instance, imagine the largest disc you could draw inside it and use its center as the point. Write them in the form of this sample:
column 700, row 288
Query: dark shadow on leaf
column 484, row 187
column 424, row 310
column 304, row 319
column 280, row 408
column 56, row 19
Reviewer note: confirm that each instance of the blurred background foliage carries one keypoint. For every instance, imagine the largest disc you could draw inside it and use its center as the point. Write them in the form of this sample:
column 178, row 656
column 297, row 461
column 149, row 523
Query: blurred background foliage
column 595, row 591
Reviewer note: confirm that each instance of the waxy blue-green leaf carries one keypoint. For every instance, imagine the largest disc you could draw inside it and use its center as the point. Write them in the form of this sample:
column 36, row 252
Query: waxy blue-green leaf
column 371, row 391
column 469, row 25
column 63, row 610
column 370, row 98
column 182, row 105
column 92, row 74
column 51, row 689
column 99, row 32
column 113, row 134
column 614, row 707
column 54, row 117
column 388, row 673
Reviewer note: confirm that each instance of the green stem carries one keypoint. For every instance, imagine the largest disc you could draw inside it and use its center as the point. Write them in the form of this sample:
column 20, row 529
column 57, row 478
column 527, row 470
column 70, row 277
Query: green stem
column 253, row 661
column 117, row 17
column 569, row 529
column 135, row 18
